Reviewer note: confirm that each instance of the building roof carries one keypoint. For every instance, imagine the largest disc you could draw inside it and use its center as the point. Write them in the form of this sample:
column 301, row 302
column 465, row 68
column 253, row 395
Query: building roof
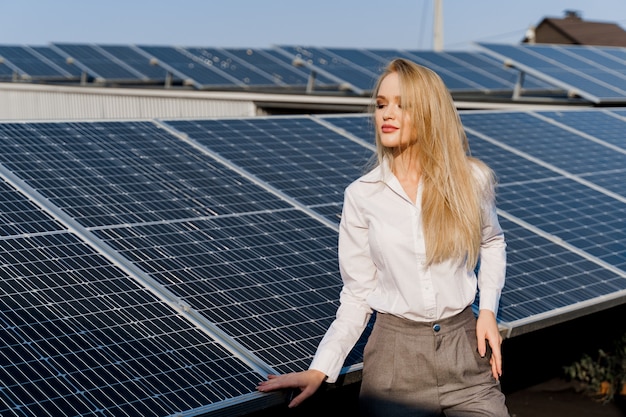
column 572, row 29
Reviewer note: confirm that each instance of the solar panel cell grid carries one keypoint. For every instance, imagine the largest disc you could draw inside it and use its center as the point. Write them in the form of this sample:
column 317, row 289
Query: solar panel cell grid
column 529, row 134
column 296, row 155
column 240, row 285
column 542, row 276
column 80, row 337
column 18, row 216
column 92, row 171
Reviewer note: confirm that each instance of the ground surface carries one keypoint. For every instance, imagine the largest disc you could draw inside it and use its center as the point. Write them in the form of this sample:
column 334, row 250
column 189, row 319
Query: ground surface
column 559, row 398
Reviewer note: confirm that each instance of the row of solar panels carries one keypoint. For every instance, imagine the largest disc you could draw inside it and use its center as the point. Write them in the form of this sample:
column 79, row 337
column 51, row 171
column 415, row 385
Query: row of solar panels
column 162, row 268
column 279, row 68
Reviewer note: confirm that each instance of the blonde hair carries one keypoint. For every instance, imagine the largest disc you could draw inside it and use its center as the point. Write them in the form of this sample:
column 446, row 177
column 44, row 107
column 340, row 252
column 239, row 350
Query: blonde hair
column 452, row 189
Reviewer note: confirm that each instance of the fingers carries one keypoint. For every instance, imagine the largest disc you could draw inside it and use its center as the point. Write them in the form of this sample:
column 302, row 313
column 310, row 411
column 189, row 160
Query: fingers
column 496, row 361
column 298, row 399
column 482, row 347
column 304, row 383
column 272, row 383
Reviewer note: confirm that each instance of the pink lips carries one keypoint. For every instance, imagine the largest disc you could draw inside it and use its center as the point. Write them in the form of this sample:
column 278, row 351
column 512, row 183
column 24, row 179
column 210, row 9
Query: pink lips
column 388, row 128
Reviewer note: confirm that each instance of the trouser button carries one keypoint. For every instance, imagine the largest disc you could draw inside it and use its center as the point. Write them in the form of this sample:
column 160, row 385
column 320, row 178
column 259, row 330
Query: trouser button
column 436, row 328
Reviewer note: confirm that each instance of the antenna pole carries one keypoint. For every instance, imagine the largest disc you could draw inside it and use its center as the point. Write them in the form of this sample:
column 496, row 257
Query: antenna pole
column 438, row 26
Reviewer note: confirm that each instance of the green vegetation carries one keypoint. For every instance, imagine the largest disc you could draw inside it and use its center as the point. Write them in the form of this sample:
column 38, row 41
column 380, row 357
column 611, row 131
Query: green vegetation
column 604, row 376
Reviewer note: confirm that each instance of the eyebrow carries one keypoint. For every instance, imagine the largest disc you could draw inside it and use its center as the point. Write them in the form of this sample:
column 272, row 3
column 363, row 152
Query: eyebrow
column 386, row 98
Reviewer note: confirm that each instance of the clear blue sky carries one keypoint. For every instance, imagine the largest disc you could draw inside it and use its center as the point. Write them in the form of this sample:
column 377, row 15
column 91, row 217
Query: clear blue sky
column 404, row 24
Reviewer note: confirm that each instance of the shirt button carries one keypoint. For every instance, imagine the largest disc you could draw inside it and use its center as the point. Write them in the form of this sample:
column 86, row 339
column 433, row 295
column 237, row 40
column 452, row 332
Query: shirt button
column 436, row 328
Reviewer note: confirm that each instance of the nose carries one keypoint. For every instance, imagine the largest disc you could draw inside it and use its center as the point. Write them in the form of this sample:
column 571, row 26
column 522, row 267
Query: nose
column 388, row 112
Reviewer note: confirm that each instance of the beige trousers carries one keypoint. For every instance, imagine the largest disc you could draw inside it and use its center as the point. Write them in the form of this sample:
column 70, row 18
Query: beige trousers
column 428, row 369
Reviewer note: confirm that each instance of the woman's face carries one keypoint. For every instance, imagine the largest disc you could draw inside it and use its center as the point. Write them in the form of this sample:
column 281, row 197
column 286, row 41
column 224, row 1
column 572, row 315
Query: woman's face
column 392, row 123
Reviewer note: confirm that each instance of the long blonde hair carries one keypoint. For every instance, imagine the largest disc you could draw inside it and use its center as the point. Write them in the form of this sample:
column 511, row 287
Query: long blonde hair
column 453, row 190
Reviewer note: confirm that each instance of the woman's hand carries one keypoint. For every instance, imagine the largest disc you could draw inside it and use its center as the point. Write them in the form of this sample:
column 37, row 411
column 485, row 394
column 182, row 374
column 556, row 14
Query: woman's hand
column 487, row 332
column 307, row 382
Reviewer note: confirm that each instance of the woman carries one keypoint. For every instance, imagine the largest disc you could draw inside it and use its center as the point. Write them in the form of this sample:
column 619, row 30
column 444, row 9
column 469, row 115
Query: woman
column 412, row 232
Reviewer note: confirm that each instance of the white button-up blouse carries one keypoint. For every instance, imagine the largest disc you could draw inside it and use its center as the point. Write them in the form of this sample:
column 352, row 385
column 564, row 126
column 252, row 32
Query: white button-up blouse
column 382, row 265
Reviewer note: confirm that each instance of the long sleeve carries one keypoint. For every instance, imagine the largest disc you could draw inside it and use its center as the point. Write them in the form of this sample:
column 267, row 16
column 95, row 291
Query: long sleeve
column 492, row 271
column 358, row 274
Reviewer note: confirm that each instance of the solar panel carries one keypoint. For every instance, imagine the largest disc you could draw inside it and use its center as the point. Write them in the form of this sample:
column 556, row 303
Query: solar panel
column 460, row 71
column 30, row 64
column 183, row 65
column 340, row 70
column 358, row 79
column 268, row 280
column 92, row 171
column 588, row 220
column 454, row 71
column 547, row 278
column 321, row 80
column 134, row 59
column 360, row 125
column 276, row 68
column 297, row 155
column 60, row 61
column 162, row 268
column 592, row 72
column 255, row 267
column 98, row 64
column 528, row 133
column 236, row 68
column 81, row 337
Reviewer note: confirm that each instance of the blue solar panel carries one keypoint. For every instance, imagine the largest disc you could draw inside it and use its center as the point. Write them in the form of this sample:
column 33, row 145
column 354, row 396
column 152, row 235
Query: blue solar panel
column 19, row 216
column 268, row 280
column 31, row 64
column 184, row 66
column 460, row 71
column 330, row 65
column 60, row 61
column 606, row 126
column 296, row 155
column 320, row 79
column 260, row 271
column 277, row 69
column 109, row 186
column 544, row 276
column 81, row 337
column 455, row 73
column 551, row 143
column 96, row 63
column 360, row 126
column 134, row 59
column 589, row 220
column 163, row 268
column 591, row 72
column 233, row 66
